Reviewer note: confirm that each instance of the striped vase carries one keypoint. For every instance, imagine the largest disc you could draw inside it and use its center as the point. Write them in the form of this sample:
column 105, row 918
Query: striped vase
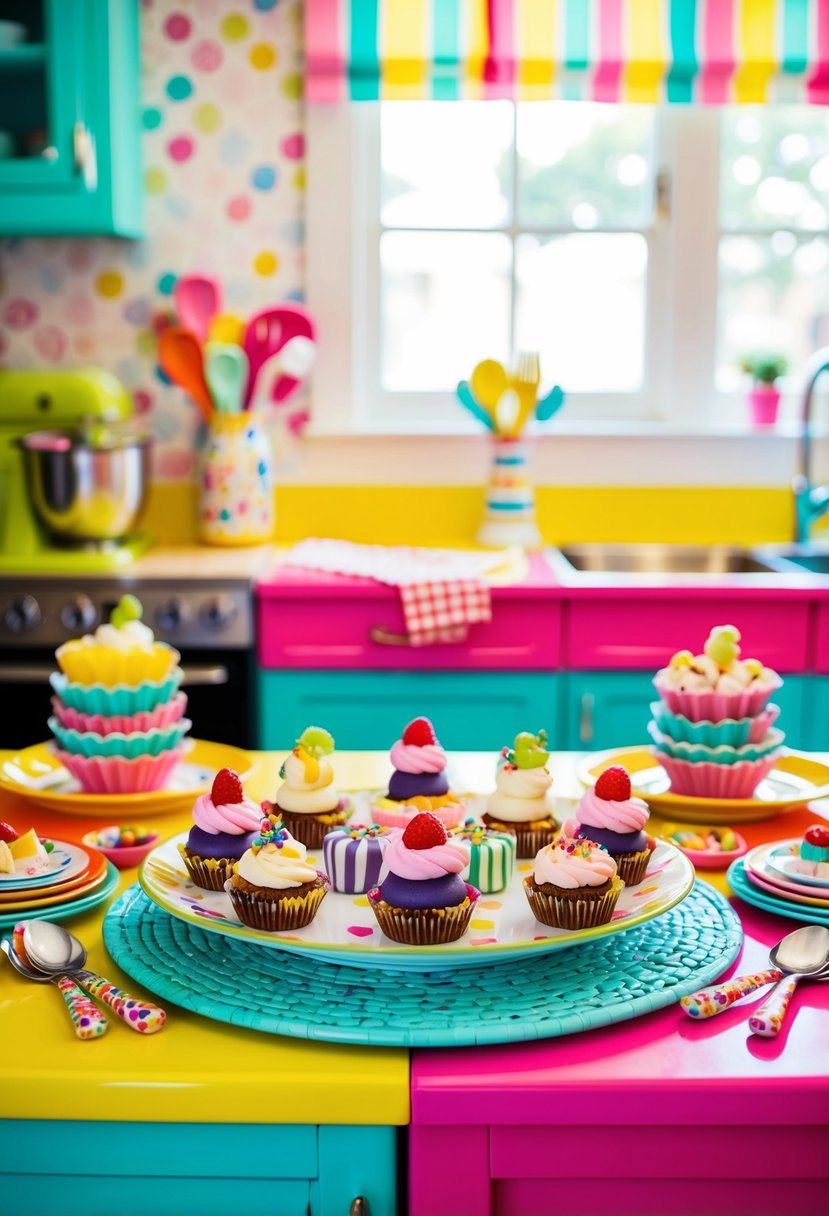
column 509, row 514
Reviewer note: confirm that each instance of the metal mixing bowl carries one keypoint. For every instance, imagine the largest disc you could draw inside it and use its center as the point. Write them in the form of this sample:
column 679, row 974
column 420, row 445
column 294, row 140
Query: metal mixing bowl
column 84, row 493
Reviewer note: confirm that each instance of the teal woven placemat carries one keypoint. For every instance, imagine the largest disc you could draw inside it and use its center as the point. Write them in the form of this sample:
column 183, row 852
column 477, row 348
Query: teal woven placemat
column 558, row 993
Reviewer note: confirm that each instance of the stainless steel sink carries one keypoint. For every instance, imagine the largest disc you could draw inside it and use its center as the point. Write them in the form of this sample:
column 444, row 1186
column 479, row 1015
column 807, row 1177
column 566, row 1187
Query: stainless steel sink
column 652, row 560
column 795, row 559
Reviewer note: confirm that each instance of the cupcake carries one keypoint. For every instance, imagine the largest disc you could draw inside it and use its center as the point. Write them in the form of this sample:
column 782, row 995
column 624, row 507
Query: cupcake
column 225, row 824
column 353, row 858
column 814, row 852
column 272, row 886
column 521, row 804
column 419, row 781
column 574, row 884
column 491, row 856
column 609, row 816
column 307, row 802
column 423, row 901
column 714, row 733
column 118, row 718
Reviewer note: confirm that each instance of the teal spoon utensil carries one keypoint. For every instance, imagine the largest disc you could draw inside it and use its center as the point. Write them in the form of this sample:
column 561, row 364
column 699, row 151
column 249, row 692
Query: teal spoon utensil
column 550, row 404
column 226, row 370
column 469, row 401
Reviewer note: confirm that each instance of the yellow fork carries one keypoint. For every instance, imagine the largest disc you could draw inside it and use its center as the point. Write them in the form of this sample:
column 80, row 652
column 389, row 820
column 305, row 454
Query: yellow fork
column 525, row 382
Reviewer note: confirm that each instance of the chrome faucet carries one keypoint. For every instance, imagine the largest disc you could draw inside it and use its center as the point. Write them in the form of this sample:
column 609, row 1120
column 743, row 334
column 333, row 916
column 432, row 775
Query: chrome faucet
column 810, row 502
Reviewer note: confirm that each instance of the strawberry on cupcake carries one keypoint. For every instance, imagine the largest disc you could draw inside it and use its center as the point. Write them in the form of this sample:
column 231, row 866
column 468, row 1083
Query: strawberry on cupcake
column 419, row 781
column 225, row 823
column 609, row 815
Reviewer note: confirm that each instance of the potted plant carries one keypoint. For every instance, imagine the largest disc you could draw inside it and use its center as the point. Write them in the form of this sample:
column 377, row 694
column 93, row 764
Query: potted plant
column 764, row 396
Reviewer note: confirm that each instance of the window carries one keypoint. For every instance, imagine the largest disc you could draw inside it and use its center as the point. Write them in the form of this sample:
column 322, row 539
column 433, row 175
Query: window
column 641, row 251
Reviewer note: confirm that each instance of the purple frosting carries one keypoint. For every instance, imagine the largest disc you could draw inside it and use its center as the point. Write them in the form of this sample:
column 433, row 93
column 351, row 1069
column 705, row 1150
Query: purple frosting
column 615, row 842
column 443, row 892
column 412, row 785
column 219, row 844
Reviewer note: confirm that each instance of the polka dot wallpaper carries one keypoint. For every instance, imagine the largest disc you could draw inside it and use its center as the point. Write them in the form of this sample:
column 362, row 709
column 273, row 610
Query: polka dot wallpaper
column 223, row 172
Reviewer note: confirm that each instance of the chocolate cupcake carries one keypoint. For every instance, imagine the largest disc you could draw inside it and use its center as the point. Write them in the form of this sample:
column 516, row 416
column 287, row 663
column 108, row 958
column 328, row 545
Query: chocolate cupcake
column 225, row 824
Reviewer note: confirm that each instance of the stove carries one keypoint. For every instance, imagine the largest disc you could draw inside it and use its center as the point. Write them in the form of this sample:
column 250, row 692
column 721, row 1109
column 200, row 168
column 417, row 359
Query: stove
column 209, row 621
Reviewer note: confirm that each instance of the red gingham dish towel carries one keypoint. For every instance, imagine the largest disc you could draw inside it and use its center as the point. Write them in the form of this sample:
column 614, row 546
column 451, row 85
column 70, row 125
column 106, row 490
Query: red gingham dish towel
column 442, row 591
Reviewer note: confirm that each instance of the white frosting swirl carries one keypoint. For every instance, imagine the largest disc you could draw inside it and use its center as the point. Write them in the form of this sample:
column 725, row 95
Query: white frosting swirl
column 278, row 868
column 308, row 788
column 520, row 794
column 570, row 864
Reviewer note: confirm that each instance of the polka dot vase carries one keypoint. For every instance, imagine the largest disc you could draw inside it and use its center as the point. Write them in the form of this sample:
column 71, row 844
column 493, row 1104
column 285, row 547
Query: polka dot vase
column 236, row 483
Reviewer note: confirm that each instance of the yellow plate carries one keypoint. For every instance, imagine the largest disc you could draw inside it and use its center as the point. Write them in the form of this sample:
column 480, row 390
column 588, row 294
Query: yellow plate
column 794, row 781
column 190, row 778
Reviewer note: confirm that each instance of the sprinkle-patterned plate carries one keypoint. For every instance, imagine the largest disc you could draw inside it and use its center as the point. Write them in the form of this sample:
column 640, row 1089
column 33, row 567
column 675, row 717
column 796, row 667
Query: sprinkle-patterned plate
column 345, row 930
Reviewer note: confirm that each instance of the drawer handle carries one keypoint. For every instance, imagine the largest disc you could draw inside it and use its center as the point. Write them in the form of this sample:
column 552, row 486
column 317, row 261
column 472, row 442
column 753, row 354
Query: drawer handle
column 359, row 1207
column 588, row 701
column 385, row 637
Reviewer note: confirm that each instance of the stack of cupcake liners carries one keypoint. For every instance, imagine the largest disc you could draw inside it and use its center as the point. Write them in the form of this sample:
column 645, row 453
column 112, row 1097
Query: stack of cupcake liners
column 715, row 745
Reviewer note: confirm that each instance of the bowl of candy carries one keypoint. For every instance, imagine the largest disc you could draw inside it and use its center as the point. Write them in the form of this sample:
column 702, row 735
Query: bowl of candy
column 707, row 848
column 123, row 846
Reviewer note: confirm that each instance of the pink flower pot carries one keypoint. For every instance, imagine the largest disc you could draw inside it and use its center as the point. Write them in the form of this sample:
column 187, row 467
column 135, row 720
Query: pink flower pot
column 764, row 400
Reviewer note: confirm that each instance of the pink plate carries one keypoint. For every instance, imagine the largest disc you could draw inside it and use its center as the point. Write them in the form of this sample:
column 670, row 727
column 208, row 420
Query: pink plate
column 787, row 896
column 757, row 866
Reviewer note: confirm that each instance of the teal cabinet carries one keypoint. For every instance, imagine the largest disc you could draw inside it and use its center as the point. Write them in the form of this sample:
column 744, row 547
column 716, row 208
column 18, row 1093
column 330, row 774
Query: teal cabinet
column 70, row 120
column 472, row 710
column 209, row 1168
column 603, row 709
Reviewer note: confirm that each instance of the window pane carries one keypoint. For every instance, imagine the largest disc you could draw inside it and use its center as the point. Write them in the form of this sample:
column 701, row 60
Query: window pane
column 774, row 167
column 445, row 164
column 585, row 165
column 581, row 304
column 444, row 306
column 774, row 296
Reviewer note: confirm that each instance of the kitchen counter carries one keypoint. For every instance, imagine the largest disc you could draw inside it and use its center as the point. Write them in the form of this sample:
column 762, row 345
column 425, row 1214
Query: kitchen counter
column 198, row 1073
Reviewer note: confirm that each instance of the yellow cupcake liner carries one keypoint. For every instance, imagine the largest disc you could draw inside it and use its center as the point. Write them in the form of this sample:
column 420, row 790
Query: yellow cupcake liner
column 562, row 912
column 83, row 664
column 209, row 873
column 279, row 913
column 631, row 867
column 424, row 926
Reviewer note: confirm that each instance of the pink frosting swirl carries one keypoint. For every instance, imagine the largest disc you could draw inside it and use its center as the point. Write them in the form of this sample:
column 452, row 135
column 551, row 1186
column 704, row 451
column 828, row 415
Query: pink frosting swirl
column 573, row 863
column 628, row 816
column 235, row 818
column 436, row 862
column 409, row 758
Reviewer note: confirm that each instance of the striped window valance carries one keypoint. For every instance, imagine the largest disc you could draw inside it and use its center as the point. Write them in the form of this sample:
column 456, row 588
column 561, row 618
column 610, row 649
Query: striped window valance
column 709, row 51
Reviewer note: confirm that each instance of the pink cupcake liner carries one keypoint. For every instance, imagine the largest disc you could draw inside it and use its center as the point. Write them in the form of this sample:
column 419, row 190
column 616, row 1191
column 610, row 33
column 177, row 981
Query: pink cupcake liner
column 126, row 724
column 711, row 706
column 115, row 775
column 716, row 780
column 763, row 723
column 450, row 816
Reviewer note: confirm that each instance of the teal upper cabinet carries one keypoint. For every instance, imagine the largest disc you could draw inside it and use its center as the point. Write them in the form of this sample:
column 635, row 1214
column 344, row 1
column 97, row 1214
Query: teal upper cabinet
column 70, row 120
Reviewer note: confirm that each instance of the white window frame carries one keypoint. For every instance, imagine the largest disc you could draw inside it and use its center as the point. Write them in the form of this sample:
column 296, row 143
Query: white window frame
column 623, row 446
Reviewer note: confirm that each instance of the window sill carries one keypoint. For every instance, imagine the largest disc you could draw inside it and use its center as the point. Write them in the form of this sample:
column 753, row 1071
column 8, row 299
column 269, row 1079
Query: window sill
column 571, row 453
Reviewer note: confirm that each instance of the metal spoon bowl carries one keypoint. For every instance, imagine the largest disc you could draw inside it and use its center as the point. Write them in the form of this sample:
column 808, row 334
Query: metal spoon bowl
column 86, row 1017
column 54, row 949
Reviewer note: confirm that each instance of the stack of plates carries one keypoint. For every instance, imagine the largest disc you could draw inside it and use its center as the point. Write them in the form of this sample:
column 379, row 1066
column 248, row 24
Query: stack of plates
column 766, row 877
column 76, row 879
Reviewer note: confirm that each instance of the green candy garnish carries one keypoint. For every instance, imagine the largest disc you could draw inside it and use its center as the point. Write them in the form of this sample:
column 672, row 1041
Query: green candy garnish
column 316, row 741
column 529, row 751
column 127, row 609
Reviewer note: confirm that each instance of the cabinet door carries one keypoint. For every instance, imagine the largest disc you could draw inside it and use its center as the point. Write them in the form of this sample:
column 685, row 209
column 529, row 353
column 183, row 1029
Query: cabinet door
column 471, row 711
column 70, row 120
column 610, row 709
column 606, row 708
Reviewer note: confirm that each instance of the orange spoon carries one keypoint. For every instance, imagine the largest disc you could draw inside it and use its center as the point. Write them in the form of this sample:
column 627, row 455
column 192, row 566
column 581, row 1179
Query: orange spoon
column 180, row 355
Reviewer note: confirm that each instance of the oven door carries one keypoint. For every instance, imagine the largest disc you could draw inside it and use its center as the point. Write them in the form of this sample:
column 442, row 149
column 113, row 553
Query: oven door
column 219, row 686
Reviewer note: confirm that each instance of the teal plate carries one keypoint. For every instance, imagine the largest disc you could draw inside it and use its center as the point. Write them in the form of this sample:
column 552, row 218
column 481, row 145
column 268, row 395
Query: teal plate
column 746, row 890
column 72, row 907
column 605, row 981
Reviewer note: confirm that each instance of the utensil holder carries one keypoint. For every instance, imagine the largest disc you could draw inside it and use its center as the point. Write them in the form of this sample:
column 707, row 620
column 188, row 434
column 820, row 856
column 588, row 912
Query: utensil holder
column 236, row 504
column 509, row 514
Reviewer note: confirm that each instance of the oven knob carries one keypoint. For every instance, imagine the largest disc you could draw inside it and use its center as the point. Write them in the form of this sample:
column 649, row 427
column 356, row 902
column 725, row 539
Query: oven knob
column 218, row 613
column 23, row 613
column 78, row 614
column 171, row 615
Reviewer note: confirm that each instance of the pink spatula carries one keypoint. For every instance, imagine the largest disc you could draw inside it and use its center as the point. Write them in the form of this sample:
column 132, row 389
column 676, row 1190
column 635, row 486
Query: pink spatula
column 198, row 299
column 266, row 334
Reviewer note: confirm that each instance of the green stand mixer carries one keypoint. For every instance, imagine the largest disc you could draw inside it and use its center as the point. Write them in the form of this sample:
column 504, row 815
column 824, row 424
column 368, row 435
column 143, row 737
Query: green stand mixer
column 73, row 482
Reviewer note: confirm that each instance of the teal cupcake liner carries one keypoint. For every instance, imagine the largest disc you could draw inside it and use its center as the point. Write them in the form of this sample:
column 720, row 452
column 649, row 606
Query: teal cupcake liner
column 697, row 753
column 120, row 698
column 730, row 732
column 128, row 747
